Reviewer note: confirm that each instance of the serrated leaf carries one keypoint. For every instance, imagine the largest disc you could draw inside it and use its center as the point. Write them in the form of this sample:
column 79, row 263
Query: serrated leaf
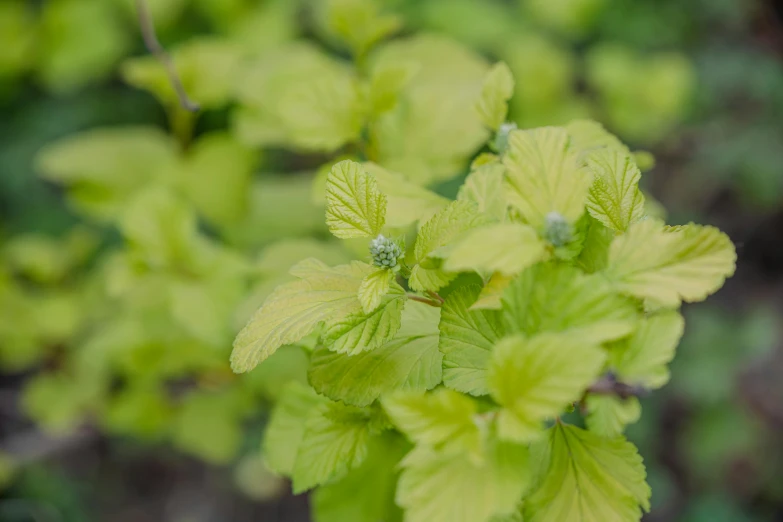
column 669, row 265
column 218, row 160
column 209, row 425
column 442, row 420
column 595, row 248
column 161, row 228
column 641, row 359
column 106, row 167
column 324, row 113
column 410, row 361
column 507, row 248
column 560, row 298
column 354, row 205
column 466, row 341
column 615, row 199
column 373, row 288
column 543, row 176
column 358, row 331
column 456, row 488
column 609, row 415
column 387, row 82
column 535, row 378
column 588, row 478
column 484, row 187
column 442, row 229
column 407, row 202
column 367, row 492
column 359, row 24
column 491, row 294
column 335, row 441
column 497, row 90
column 286, row 426
column 294, row 309
column 587, row 136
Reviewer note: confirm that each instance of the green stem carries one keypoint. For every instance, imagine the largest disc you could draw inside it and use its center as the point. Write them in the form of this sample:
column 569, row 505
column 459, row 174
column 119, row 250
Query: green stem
column 424, row 300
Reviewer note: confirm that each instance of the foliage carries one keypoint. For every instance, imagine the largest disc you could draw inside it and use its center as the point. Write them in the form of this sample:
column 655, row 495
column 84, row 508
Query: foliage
column 125, row 322
column 480, row 422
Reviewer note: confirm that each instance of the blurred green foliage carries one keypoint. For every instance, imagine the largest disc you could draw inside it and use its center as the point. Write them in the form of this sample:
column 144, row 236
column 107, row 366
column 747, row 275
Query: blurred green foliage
column 137, row 237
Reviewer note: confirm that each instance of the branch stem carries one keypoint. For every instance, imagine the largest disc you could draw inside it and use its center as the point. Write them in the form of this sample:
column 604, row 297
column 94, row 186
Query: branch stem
column 153, row 46
column 431, row 302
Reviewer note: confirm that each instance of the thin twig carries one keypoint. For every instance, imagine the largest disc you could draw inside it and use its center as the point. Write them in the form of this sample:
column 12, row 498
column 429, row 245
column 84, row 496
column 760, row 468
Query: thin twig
column 424, row 300
column 436, row 296
column 153, row 46
column 609, row 385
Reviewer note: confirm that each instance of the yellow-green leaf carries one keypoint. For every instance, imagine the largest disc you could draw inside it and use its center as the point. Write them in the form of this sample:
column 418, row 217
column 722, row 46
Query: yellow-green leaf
column 670, row 264
column 535, row 378
column 373, row 288
column 615, row 199
column 560, row 298
column 507, row 248
column 608, row 415
column 498, row 88
column 466, row 340
column 354, row 205
column 588, row 478
column 641, row 359
column 294, row 309
column 543, row 176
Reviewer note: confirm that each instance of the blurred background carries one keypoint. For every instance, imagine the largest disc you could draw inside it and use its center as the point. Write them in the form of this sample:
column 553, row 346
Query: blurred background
column 136, row 237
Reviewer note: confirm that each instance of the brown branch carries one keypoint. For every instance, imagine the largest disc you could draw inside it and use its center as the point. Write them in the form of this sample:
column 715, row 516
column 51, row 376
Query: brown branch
column 424, row 300
column 609, row 385
column 436, row 296
column 153, row 46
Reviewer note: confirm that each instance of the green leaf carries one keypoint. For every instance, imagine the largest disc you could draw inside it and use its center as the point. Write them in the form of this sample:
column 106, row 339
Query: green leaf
column 497, row 90
column 560, row 298
column 408, row 203
column 492, row 293
column 286, row 427
column 543, row 176
column 441, row 230
column 358, row 331
column 641, row 359
column 354, row 205
column 615, row 199
column 507, row 248
column 410, row 361
column 484, row 187
column 335, row 441
column 218, row 160
column 373, row 288
column 668, row 265
column 587, row 136
column 588, row 478
column 609, row 415
column 359, row 24
column 466, row 341
column 433, row 132
column 210, row 425
column 457, row 488
column 595, row 250
column 294, row 309
column 375, row 479
column 443, row 420
column 535, row 378
column 104, row 168
column 387, row 82
column 324, row 112
column 208, row 68
column 161, row 228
